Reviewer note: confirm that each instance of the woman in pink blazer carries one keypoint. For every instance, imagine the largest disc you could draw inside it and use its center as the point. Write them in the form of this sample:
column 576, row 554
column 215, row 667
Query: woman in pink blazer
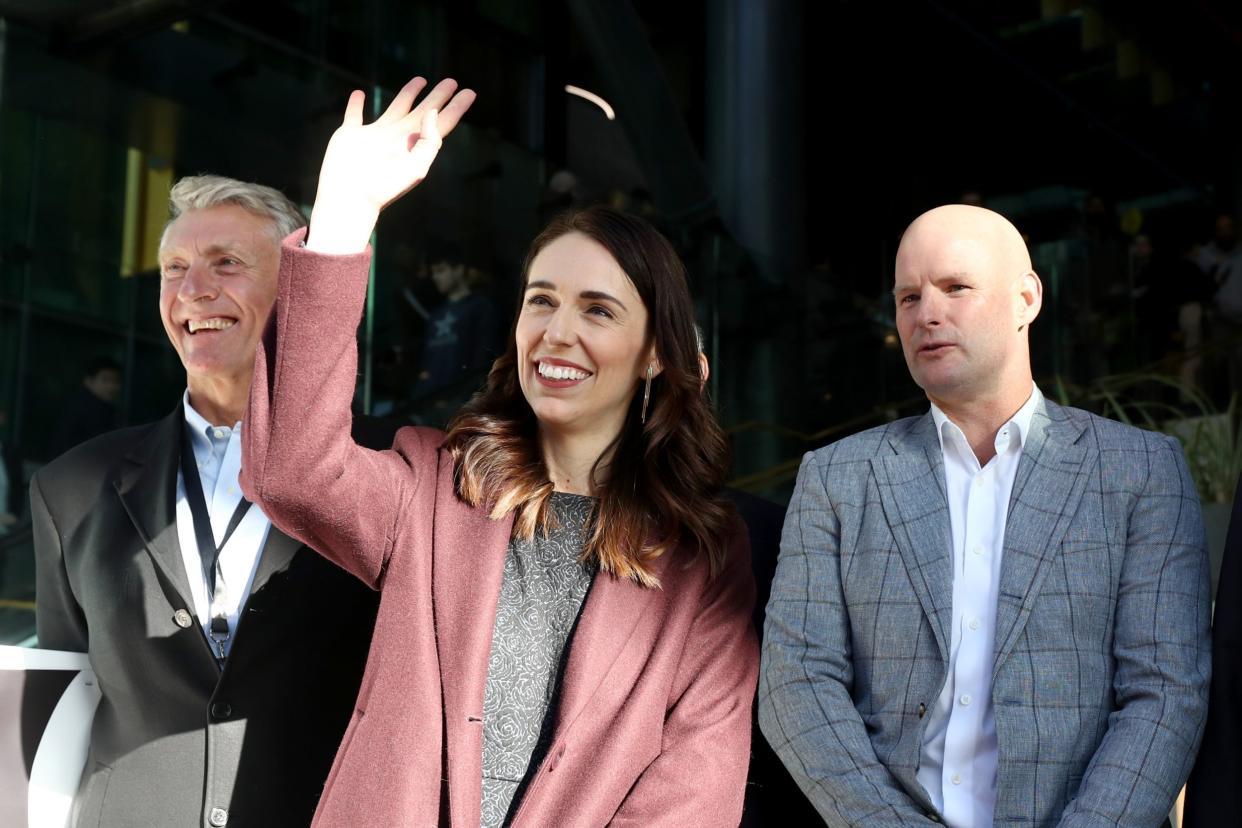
column 564, row 630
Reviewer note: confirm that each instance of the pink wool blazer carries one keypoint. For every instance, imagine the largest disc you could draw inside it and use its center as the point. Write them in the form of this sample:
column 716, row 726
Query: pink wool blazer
column 653, row 726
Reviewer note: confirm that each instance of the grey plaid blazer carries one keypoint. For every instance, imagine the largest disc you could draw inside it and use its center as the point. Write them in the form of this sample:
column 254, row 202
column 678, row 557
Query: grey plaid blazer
column 1102, row 648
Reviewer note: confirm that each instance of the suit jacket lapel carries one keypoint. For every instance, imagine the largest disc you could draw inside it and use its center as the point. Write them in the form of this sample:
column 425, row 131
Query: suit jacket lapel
column 147, row 487
column 611, row 612
column 912, row 491
column 1052, row 474
column 468, row 562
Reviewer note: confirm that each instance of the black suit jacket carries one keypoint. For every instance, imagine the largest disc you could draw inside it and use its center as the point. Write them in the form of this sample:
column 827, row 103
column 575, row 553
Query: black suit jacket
column 1214, row 793
column 174, row 737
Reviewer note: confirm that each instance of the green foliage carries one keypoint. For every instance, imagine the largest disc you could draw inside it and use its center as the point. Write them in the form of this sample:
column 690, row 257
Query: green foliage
column 1211, row 438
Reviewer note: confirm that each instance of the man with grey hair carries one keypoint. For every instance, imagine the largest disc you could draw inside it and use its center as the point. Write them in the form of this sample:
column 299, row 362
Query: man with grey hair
column 228, row 655
column 995, row 613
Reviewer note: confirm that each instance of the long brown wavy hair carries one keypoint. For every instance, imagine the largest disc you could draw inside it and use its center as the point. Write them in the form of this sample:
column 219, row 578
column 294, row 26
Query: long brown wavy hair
column 659, row 484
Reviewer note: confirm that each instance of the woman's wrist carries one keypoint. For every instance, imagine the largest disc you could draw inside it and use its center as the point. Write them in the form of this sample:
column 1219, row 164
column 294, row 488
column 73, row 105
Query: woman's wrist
column 339, row 229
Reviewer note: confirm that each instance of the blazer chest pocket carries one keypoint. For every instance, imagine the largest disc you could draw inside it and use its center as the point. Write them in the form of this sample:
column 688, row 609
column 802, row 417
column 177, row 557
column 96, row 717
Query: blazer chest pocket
column 1088, row 567
column 1077, row 597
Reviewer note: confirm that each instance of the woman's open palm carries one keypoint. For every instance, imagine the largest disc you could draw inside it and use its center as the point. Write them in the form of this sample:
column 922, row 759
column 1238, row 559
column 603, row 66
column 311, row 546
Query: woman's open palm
column 367, row 166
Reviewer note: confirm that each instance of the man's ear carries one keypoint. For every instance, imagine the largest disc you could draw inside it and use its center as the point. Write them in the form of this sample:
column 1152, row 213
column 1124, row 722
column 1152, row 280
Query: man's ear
column 1030, row 298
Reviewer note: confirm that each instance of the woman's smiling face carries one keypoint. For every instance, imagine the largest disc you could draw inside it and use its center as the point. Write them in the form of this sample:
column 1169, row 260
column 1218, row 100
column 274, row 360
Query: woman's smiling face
column 582, row 340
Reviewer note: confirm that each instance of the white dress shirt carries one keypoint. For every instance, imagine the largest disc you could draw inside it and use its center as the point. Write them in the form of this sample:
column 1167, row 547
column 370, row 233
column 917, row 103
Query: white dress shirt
column 217, row 450
column 958, row 762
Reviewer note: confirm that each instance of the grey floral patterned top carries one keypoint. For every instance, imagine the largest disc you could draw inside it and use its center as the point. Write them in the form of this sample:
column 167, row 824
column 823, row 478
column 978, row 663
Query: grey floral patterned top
column 541, row 597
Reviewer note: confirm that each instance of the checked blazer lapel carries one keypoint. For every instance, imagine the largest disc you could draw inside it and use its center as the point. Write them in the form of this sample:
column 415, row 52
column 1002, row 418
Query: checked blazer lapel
column 1052, row 475
column 912, row 491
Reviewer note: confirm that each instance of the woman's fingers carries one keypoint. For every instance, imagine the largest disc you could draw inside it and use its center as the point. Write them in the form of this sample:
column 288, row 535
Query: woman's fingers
column 404, row 99
column 427, row 147
column 435, row 99
column 451, row 114
column 448, row 116
column 451, row 107
column 353, row 109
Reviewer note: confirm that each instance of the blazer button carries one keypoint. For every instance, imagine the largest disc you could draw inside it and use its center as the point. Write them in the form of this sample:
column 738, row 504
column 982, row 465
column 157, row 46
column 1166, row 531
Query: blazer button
column 218, row 817
column 182, row 619
column 221, row 711
column 922, row 710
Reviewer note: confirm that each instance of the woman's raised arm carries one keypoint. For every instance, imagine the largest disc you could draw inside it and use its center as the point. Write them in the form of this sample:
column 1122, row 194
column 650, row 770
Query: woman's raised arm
column 299, row 463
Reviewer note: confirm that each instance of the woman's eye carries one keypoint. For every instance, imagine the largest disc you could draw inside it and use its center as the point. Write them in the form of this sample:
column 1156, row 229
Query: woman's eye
column 539, row 299
column 600, row 310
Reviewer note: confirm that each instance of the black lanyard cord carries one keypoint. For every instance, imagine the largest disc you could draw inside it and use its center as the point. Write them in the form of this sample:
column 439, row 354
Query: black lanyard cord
column 208, row 551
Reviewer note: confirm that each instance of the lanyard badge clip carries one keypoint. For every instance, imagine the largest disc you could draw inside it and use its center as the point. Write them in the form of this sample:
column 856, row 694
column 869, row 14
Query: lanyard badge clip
column 220, row 635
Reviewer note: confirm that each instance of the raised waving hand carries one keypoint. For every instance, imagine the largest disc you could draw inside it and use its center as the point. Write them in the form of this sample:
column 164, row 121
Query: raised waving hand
column 368, row 166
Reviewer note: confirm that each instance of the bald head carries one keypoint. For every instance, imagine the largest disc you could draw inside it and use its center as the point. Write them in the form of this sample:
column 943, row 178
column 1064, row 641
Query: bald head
column 963, row 224
column 966, row 295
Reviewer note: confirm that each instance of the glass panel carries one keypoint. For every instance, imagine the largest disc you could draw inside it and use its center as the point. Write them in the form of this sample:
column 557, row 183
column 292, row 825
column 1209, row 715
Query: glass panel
column 78, row 198
column 58, row 410
column 17, row 153
column 17, row 618
column 157, row 383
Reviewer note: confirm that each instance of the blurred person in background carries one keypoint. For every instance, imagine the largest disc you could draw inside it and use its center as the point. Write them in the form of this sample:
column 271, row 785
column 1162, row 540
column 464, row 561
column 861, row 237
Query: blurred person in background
column 90, row 409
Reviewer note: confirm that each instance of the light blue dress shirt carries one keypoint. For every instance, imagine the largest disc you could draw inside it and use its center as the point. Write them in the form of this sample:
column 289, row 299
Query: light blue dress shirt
column 217, row 450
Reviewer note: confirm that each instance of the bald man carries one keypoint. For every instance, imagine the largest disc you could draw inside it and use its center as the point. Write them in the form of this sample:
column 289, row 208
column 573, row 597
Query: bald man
column 995, row 613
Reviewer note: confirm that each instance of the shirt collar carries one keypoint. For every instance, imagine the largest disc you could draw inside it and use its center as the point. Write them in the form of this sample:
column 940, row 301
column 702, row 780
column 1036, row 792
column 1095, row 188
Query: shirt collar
column 203, row 434
column 1015, row 429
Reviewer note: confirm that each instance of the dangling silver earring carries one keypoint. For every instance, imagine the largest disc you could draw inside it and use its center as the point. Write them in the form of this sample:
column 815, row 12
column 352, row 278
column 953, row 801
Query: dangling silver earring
column 646, row 395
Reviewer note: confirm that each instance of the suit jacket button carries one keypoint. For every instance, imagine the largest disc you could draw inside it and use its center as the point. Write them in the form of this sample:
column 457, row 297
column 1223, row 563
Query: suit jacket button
column 922, row 710
column 182, row 619
column 221, row 710
column 218, row 817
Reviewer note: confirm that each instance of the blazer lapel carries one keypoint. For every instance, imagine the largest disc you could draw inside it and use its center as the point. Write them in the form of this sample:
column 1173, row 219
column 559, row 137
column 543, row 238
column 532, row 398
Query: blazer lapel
column 1052, row 474
column 468, row 561
column 912, row 492
column 147, row 487
column 612, row 610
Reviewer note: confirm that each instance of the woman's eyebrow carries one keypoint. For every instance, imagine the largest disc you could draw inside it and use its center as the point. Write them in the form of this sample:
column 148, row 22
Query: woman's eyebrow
column 599, row 295
column 593, row 295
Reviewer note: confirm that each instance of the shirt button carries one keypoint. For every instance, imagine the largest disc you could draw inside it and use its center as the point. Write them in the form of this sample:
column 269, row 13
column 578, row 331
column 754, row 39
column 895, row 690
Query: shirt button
column 957, row 779
column 232, row 490
column 974, row 623
column 182, row 619
column 220, row 433
column 218, row 817
column 978, row 550
column 979, row 479
column 965, row 700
